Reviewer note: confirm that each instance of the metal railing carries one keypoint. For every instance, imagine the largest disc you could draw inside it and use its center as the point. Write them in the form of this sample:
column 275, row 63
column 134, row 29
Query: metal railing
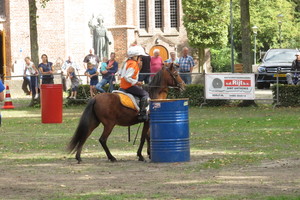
column 15, row 84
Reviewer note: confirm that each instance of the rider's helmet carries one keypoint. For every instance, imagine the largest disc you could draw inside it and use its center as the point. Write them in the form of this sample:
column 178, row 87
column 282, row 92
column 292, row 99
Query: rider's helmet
column 135, row 51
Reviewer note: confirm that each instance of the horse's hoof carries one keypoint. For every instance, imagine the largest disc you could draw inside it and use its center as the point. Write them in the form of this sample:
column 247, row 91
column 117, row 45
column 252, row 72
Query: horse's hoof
column 78, row 160
column 113, row 159
column 141, row 158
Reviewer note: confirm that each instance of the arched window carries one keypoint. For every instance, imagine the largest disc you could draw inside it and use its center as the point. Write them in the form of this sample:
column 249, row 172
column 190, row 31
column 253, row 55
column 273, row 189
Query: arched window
column 158, row 14
column 174, row 13
column 143, row 13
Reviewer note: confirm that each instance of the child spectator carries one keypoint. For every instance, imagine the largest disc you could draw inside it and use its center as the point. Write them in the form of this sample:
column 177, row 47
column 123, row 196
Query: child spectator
column 74, row 80
column 92, row 73
column 103, row 67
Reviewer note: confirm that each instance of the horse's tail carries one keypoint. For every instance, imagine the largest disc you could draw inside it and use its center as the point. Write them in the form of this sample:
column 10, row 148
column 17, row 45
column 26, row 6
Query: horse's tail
column 83, row 129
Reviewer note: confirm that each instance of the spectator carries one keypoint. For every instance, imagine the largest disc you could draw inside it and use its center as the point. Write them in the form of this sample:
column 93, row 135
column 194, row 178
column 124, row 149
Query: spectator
column 46, row 69
column 108, row 74
column 26, row 87
column 186, row 65
column 295, row 68
column 74, row 80
column 156, row 62
column 68, row 63
column 2, row 88
column 92, row 73
column 103, row 66
column 91, row 58
column 31, row 69
column 145, row 69
column 173, row 60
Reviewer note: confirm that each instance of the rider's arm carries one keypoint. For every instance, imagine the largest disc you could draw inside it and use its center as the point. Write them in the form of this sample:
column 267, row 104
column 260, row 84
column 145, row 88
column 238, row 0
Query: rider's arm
column 128, row 76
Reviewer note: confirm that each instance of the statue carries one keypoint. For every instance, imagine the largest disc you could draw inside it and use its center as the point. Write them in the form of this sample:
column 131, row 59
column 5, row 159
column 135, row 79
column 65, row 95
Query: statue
column 100, row 39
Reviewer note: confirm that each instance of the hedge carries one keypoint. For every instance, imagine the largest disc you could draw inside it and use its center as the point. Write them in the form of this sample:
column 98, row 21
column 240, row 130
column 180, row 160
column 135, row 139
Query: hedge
column 194, row 92
column 289, row 95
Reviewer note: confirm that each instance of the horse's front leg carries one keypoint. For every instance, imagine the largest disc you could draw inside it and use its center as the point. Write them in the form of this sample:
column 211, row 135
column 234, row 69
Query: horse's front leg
column 143, row 138
column 103, row 139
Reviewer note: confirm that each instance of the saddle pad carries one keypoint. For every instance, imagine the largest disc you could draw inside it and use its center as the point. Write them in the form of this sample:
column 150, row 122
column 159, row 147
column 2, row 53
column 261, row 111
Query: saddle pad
column 127, row 100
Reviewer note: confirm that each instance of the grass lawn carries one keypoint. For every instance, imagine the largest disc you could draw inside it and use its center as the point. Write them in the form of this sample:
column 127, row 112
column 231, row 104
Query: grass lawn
column 224, row 142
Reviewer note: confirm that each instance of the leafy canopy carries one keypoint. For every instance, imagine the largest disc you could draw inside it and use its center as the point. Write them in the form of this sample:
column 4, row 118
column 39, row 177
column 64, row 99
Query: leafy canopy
column 206, row 22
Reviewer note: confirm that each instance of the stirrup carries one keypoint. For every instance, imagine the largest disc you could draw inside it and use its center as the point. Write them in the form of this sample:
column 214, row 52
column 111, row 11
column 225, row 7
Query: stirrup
column 143, row 118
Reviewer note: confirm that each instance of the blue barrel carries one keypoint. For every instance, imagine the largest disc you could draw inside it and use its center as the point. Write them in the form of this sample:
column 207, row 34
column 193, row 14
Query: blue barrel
column 169, row 130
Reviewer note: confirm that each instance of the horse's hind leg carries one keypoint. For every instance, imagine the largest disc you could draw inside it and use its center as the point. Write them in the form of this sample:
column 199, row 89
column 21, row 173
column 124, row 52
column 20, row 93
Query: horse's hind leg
column 103, row 139
column 80, row 145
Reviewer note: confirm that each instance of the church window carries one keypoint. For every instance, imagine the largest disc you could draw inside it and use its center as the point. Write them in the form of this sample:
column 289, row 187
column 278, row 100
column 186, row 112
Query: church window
column 158, row 14
column 174, row 13
column 143, row 13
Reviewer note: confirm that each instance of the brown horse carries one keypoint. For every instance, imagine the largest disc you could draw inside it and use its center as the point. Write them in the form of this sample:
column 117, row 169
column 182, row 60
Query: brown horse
column 106, row 108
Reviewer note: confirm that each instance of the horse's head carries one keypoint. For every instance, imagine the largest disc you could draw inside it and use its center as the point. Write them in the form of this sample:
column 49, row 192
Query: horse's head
column 167, row 77
column 173, row 78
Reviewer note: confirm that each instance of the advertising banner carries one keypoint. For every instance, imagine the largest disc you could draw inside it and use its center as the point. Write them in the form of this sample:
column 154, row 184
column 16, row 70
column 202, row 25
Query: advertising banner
column 230, row 86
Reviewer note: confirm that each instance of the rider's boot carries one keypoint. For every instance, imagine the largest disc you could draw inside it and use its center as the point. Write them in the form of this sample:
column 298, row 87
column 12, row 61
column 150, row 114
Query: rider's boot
column 143, row 116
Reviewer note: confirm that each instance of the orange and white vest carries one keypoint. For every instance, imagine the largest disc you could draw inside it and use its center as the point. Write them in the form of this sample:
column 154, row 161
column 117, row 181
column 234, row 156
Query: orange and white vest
column 129, row 74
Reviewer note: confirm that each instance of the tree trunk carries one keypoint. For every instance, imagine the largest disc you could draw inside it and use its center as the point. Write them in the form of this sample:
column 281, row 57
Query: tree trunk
column 246, row 36
column 201, row 55
column 246, row 44
column 33, row 32
column 33, row 39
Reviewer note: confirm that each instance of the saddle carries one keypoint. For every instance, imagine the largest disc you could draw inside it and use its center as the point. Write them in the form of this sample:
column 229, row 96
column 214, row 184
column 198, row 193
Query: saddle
column 128, row 100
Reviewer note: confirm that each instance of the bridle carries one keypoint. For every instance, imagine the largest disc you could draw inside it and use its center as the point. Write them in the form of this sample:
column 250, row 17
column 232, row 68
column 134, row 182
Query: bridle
column 174, row 75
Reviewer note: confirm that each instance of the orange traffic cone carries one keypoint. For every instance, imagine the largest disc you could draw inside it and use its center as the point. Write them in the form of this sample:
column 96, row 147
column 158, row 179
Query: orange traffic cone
column 7, row 102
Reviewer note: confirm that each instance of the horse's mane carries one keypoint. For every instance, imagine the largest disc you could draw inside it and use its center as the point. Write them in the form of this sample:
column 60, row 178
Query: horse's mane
column 155, row 85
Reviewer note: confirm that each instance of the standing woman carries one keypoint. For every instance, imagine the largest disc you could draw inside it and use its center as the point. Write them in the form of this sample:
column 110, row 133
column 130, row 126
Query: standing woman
column 156, row 62
column 30, row 67
column 46, row 69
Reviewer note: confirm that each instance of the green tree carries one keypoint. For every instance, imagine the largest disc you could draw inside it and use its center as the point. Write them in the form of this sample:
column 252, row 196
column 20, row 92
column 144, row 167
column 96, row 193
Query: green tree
column 206, row 24
column 221, row 59
column 263, row 14
column 34, row 47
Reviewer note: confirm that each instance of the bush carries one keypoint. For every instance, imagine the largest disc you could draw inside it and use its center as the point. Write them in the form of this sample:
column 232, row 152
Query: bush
column 221, row 60
column 195, row 93
column 288, row 95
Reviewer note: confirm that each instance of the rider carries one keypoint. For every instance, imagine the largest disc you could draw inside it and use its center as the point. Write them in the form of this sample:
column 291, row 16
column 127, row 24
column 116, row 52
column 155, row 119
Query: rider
column 129, row 79
column 295, row 68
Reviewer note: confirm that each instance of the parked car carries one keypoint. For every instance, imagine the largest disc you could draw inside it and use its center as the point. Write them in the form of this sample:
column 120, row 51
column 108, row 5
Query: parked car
column 275, row 60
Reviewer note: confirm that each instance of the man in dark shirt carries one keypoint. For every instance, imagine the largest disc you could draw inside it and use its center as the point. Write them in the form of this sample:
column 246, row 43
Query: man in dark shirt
column 145, row 69
column 295, row 68
column 91, row 58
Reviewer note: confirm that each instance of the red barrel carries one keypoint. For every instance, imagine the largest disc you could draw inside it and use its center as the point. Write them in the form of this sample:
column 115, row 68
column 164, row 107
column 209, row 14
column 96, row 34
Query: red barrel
column 51, row 103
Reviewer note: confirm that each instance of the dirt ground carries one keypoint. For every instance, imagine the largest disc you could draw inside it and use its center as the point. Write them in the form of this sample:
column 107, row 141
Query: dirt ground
column 61, row 177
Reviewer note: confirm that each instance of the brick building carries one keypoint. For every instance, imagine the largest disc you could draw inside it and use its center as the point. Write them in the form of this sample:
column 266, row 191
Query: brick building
column 63, row 28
